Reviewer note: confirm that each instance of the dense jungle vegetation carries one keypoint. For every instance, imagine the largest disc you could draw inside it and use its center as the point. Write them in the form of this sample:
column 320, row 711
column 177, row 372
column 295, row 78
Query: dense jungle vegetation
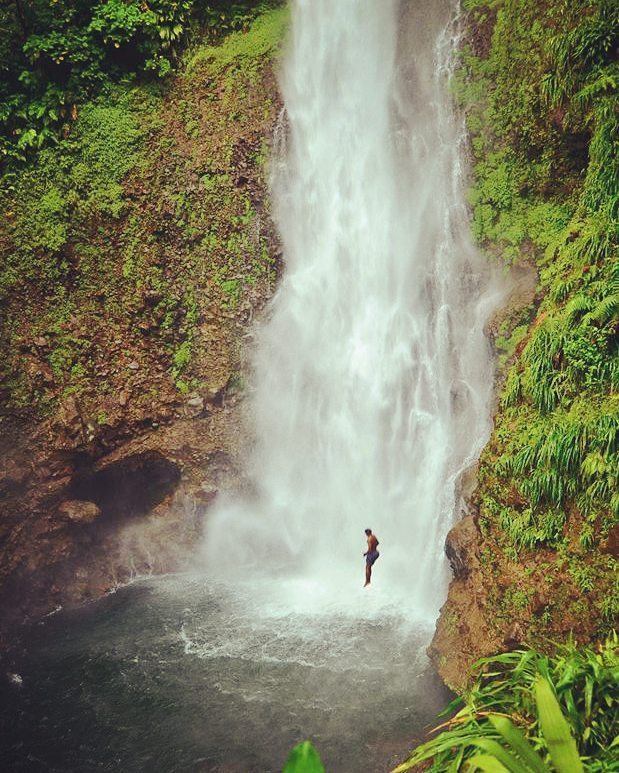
column 56, row 53
column 108, row 278
column 127, row 223
column 529, row 713
column 539, row 82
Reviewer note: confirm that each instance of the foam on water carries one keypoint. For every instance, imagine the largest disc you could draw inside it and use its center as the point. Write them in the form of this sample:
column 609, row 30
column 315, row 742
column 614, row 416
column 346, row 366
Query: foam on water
column 184, row 673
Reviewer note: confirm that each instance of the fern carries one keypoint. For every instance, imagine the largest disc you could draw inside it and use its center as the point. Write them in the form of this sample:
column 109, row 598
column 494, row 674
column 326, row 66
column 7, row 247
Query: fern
column 577, row 307
column 601, row 187
column 513, row 389
column 605, row 82
column 561, row 289
column 606, row 311
column 540, row 356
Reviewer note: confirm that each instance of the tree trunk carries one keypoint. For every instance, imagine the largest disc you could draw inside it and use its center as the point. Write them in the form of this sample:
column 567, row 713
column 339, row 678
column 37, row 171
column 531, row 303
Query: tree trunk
column 21, row 17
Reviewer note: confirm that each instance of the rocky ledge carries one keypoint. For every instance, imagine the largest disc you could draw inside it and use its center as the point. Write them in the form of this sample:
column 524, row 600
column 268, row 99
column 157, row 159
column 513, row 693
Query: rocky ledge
column 81, row 516
column 462, row 632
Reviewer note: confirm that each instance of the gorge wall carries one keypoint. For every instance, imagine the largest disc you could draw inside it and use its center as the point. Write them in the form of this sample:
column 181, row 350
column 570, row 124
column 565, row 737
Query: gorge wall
column 135, row 255
column 535, row 558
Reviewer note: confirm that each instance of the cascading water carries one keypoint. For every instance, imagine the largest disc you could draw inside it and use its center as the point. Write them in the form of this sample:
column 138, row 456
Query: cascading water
column 373, row 377
column 372, row 390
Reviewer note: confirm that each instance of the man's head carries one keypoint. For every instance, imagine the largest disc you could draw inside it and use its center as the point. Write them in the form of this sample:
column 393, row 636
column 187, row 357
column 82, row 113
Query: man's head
column 368, row 532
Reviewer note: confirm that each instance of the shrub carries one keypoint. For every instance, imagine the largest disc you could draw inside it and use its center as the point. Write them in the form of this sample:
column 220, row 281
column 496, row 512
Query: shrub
column 54, row 55
column 526, row 710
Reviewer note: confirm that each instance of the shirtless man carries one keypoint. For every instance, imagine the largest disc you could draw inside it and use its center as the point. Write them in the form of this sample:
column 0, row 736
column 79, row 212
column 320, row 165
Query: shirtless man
column 371, row 555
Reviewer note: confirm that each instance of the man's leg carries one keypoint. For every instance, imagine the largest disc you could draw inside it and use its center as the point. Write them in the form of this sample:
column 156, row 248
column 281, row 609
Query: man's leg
column 368, row 573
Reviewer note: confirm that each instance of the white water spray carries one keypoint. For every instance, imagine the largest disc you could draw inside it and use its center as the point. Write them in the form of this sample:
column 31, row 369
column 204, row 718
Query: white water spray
column 372, row 374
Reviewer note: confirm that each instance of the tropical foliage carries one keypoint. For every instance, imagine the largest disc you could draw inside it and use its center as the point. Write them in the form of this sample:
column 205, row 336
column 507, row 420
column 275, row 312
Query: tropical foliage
column 304, row 759
column 529, row 713
column 541, row 94
column 119, row 239
column 54, row 54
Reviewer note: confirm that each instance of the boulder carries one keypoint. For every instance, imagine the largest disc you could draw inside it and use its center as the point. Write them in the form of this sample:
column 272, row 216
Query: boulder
column 515, row 638
column 69, row 418
column 79, row 510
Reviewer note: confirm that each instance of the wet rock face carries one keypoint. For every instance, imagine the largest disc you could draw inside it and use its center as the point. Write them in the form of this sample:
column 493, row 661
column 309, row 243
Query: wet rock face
column 461, row 546
column 468, row 627
column 611, row 544
column 114, row 479
column 463, row 631
column 75, row 525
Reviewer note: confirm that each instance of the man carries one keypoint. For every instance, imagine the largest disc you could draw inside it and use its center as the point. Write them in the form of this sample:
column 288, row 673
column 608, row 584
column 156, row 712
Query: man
column 371, row 555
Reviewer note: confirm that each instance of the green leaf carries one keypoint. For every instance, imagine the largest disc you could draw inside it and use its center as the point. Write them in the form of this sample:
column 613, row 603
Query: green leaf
column 556, row 730
column 303, row 759
column 518, row 743
column 511, row 763
column 485, row 763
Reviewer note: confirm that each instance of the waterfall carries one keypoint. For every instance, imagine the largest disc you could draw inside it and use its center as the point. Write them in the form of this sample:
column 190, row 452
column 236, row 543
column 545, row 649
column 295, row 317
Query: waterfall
column 372, row 376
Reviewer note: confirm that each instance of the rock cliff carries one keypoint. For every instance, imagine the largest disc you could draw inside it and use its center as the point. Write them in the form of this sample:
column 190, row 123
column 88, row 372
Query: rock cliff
column 125, row 341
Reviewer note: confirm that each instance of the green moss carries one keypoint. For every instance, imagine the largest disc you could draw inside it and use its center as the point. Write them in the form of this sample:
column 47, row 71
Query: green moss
column 136, row 228
column 81, row 178
column 181, row 358
column 244, row 50
column 542, row 102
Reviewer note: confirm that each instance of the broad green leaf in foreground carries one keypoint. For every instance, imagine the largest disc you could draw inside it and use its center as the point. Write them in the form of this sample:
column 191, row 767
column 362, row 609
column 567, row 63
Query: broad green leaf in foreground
column 486, row 763
column 518, row 743
column 556, row 730
column 303, row 759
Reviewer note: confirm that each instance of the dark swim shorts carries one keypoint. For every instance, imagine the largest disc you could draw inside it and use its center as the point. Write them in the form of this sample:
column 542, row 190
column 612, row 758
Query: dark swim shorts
column 371, row 557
